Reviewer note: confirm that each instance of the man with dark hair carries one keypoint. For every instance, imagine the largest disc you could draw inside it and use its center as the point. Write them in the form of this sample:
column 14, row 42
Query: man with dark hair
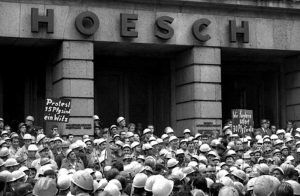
column 215, row 188
column 200, row 183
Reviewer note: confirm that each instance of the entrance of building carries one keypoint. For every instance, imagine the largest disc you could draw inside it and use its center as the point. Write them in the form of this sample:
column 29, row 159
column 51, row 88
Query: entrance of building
column 22, row 84
column 252, row 81
column 136, row 88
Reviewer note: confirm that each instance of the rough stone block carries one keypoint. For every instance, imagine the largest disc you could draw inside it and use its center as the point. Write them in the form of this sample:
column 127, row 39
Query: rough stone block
column 73, row 69
column 78, row 121
column 198, row 73
column 198, row 91
column 199, row 109
column 74, row 88
column 82, row 107
column 199, row 55
column 198, row 126
column 82, row 50
column 10, row 19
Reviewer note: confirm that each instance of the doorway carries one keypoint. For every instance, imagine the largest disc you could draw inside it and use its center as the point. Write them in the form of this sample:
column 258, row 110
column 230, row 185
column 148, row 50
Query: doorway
column 251, row 80
column 22, row 85
column 136, row 88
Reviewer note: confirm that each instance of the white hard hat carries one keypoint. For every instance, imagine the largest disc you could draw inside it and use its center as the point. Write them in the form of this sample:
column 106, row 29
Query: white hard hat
column 274, row 137
column 172, row 162
column 18, row 174
column 221, row 174
column 290, row 158
column 24, row 168
column 280, row 131
column 162, row 187
column 209, row 182
column 39, row 138
column 179, row 151
column 116, row 182
column 164, row 151
column 169, row 130
column 11, row 162
column 147, row 146
column 150, row 181
column 153, row 143
column 159, row 141
column 4, row 152
column 96, row 117
column 27, row 136
column 102, row 183
column 178, row 174
column 64, row 182
column 265, row 185
column 205, row 148
column 197, row 135
column 120, row 119
column 226, row 181
column 129, row 134
column 164, row 136
column 250, row 184
column 112, row 189
column 278, row 141
column 139, row 180
column 32, row 147
column 187, row 131
column 193, row 163
column 173, row 138
column 83, row 180
column 146, row 131
column 30, row 118
column 98, row 175
column 228, row 191
column 134, row 144
column 295, row 185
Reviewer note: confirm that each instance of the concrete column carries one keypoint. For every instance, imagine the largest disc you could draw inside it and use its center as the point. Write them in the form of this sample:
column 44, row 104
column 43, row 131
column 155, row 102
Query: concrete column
column 73, row 78
column 198, row 90
column 292, row 89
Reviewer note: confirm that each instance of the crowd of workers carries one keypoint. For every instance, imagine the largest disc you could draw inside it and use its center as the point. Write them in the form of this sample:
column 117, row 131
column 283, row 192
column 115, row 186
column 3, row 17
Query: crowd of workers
column 122, row 161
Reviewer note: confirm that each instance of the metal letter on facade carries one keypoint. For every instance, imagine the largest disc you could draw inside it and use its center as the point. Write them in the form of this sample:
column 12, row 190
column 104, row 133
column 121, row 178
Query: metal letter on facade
column 128, row 26
column 162, row 28
column 36, row 20
column 87, row 23
column 242, row 31
column 198, row 26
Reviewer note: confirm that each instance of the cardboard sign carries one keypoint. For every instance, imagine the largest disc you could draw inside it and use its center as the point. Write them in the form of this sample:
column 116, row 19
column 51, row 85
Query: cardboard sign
column 57, row 110
column 242, row 121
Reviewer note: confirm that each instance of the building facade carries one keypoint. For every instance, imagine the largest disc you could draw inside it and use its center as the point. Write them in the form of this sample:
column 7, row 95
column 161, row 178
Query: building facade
column 183, row 63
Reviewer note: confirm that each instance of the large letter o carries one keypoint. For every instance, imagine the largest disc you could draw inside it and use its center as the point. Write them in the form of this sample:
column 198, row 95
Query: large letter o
column 87, row 23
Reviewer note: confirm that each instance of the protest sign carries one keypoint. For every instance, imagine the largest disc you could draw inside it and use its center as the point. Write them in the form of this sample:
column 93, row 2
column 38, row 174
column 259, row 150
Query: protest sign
column 242, row 121
column 57, row 110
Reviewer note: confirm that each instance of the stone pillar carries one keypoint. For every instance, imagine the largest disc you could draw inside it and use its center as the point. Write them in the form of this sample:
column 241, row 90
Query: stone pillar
column 73, row 78
column 198, row 90
column 292, row 89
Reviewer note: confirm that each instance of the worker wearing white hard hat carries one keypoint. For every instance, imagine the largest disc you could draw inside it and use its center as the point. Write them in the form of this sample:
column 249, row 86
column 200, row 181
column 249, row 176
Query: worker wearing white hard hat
column 121, row 124
column 63, row 184
column 186, row 133
column 169, row 131
column 81, row 183
column 162, row 187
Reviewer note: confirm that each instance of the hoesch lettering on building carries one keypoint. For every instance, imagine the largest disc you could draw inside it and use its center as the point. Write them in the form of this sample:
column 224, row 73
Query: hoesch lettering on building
column 87, row 23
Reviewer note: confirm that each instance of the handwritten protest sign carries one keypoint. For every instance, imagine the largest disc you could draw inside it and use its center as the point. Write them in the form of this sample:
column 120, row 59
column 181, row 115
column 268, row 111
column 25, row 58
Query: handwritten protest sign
column 242, row 121
column 57, row 110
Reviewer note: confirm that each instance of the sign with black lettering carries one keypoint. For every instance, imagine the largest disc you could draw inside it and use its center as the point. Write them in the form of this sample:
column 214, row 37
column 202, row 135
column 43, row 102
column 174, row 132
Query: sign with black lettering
column 57, row 110
column 242, row 121
column 78, row 126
